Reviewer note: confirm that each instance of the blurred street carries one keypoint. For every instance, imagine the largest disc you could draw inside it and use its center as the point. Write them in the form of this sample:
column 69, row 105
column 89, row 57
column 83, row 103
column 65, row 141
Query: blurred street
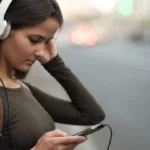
column 118, row 75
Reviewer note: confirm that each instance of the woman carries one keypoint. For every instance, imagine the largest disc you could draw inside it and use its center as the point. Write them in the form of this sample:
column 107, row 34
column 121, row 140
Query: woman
column 32, row 111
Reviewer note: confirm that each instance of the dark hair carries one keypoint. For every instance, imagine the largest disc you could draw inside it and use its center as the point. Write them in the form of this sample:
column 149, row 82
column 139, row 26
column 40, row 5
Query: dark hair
column 23, row 13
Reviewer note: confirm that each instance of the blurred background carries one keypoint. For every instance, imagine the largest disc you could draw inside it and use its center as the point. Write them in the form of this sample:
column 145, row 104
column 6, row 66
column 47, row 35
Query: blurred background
column 106, row 43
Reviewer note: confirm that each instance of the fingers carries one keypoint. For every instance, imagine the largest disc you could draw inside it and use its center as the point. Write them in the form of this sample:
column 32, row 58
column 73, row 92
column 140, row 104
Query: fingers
column 69, row 147
column 55, row 133
column 71, row 139
column 58, row 139
column 54, row 143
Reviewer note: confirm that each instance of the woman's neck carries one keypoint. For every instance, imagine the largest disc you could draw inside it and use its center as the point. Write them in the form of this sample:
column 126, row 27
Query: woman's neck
column 6, row 69
column 5, row 75
column 8, row 79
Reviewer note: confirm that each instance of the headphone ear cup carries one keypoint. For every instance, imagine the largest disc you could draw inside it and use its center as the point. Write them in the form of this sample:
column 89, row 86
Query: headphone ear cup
column 6, row 31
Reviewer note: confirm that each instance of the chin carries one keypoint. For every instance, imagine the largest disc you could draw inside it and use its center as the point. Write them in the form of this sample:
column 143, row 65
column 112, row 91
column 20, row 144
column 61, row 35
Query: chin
column 24, row 68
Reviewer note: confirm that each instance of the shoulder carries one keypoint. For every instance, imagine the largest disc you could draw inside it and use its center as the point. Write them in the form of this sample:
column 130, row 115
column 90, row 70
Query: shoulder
column 29, row 86
column 25, row 85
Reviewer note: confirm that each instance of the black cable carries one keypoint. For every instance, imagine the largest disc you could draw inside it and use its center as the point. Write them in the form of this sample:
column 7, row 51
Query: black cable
column 111, row 134
column 8, row 102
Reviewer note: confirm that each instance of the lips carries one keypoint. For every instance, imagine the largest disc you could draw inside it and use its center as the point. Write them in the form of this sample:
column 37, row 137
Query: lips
column 30, row 61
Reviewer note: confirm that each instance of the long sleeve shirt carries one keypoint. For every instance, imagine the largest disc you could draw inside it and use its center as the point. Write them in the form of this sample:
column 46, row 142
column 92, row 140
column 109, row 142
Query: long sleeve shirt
column 34, row 112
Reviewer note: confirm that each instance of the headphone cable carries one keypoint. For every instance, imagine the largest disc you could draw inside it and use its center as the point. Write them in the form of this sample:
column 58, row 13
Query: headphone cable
column 8, row 103
column 111, row 134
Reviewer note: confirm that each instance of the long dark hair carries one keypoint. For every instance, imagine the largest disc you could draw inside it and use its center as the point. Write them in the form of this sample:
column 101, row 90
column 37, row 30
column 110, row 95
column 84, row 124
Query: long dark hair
column 23, row 13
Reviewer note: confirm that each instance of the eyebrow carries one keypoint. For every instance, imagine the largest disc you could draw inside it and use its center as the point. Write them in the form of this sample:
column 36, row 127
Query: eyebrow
column 42, row 37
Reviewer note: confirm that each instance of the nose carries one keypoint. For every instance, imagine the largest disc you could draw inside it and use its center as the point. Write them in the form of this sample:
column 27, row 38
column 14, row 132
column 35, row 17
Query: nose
column 39, row 49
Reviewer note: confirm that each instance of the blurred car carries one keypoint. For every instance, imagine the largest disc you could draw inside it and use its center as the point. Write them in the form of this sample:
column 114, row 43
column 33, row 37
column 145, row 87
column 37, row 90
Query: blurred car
column 84, row 33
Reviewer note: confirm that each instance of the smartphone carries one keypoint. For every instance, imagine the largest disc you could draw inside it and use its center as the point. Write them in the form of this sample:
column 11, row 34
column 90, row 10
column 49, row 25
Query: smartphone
column 90, row 130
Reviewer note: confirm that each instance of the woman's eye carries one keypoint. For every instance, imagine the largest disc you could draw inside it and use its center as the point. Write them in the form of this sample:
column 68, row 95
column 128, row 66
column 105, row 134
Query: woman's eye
column 34, row 41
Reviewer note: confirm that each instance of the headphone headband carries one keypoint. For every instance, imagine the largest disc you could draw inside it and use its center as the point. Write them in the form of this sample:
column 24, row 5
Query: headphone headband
column 4, row 25
column 3, row 8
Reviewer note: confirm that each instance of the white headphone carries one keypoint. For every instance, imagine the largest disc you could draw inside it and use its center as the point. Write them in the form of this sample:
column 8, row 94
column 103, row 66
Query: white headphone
column 5, row 26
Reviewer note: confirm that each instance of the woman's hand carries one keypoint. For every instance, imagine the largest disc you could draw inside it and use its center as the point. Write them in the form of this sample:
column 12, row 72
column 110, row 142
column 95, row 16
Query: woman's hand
column 49, row 52
column 58, row 140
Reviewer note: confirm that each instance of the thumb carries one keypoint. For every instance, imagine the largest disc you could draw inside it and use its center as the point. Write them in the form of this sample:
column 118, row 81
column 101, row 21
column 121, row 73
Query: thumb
column 56, row 133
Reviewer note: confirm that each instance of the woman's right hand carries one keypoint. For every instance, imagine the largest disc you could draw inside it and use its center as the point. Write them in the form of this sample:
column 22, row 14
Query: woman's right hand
column 58, row 140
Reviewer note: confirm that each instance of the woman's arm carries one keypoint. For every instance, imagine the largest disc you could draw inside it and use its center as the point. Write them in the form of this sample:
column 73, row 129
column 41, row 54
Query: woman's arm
column 82, row 110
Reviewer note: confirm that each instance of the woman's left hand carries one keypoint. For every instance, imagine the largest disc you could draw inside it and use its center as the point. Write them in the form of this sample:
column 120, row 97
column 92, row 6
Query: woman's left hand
column 49, row 52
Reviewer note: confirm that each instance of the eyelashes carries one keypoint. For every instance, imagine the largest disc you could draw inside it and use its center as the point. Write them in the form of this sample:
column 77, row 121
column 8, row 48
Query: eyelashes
column 37, row 41
column 34, row 41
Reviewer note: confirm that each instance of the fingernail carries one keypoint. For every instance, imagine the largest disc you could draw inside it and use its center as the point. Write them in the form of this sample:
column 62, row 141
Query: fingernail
column 86, row 138
column 64, row 134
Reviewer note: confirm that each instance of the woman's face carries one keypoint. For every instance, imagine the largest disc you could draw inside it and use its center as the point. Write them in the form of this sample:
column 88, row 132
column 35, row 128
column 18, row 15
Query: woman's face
column 18, row 50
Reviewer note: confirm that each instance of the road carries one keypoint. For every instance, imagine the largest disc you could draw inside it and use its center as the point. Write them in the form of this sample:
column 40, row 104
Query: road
column 118, row 75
